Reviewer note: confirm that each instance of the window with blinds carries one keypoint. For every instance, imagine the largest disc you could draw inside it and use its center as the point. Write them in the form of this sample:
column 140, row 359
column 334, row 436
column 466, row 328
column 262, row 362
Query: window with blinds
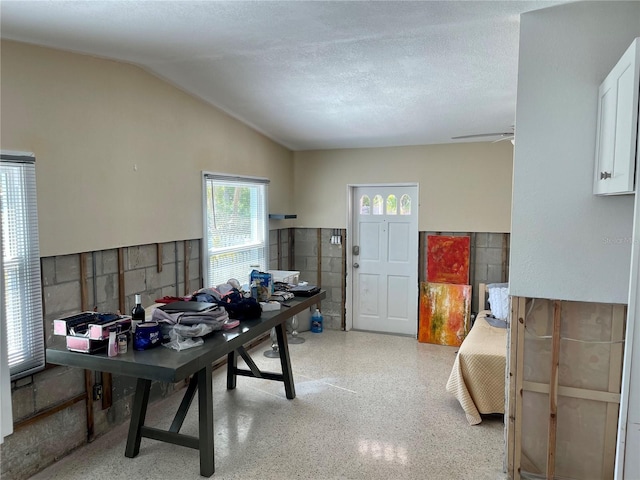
column 21, row 287
column 236, row 227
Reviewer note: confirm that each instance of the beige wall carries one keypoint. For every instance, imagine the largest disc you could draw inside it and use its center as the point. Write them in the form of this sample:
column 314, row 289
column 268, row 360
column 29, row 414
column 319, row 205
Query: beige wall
column 463, row 187
column 119, row 152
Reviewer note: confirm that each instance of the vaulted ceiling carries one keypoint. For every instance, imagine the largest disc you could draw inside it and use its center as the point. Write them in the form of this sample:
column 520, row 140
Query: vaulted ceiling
column 310, row 74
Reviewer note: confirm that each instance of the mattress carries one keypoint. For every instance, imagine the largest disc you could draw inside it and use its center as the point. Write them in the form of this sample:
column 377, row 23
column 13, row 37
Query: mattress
column 477, row 378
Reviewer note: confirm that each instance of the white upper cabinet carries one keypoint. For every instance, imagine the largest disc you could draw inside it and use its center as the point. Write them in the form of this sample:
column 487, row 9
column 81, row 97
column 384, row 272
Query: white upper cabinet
column 617, row 133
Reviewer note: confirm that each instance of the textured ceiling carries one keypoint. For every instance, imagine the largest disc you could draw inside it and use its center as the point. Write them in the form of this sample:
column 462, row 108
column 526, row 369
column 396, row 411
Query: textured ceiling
column 310, row 75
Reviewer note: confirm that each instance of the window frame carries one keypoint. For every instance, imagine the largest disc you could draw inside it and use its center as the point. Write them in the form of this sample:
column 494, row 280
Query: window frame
column 30, row 356
column 242, row 277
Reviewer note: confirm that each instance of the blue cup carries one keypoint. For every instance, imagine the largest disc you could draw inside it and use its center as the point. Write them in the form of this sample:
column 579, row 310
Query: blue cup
column 146, row 336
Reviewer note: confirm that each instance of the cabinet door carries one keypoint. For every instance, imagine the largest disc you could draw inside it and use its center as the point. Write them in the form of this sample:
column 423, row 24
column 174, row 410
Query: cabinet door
column 618, row 126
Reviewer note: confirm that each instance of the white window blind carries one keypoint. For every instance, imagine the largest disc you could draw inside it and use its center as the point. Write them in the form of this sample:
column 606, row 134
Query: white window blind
column 236, row 227
column 21, row 291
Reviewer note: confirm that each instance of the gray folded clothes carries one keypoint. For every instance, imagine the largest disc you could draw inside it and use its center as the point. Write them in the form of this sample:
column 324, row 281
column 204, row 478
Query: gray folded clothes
column 215, row 317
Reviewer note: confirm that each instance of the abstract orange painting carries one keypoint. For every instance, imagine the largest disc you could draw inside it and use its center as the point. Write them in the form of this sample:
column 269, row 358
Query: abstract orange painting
column 445, row 310
column 448, row 259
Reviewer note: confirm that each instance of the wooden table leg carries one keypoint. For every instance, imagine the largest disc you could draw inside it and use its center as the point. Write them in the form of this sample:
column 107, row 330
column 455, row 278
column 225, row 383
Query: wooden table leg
column 285, row 361
column 205, row 413
column 138, row 415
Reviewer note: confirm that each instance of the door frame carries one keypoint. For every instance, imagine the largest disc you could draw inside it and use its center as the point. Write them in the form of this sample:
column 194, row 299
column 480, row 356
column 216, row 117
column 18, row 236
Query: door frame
column 351, row 188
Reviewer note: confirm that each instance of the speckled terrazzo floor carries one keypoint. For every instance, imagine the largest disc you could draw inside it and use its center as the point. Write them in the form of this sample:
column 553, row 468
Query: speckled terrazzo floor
column 368, row 406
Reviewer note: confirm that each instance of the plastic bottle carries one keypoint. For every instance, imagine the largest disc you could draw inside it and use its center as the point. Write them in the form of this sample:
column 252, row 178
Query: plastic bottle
column 137, row 312
column 112, row 349
column 316, row 322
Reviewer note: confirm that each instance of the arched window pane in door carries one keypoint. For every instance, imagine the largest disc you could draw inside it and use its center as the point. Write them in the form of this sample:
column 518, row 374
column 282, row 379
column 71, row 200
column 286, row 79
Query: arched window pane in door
column 392, row 205
column 365, row 205
column 378, row 205
column 405, row 205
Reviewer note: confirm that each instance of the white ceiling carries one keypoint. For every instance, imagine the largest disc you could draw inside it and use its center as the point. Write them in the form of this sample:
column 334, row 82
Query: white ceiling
column 310, row 74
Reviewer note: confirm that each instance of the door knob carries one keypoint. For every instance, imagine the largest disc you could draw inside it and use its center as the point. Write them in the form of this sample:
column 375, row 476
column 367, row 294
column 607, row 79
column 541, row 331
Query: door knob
column 356, row 265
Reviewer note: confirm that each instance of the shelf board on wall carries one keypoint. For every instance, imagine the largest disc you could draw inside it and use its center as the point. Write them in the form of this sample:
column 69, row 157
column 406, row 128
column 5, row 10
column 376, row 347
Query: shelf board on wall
column 282, row 216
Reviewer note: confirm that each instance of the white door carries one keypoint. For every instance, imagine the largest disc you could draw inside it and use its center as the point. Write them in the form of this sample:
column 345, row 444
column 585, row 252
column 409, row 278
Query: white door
column 384, row 259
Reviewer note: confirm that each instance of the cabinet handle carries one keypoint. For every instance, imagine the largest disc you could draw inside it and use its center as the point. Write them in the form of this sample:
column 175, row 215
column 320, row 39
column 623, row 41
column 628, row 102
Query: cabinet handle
column 605, row 175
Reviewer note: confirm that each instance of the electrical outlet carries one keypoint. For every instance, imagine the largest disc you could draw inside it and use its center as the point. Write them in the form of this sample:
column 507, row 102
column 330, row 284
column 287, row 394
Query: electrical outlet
column 97, row 391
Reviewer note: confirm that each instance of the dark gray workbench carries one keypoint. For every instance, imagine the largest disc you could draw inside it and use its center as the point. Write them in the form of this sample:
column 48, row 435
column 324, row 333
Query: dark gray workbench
column 163, row 364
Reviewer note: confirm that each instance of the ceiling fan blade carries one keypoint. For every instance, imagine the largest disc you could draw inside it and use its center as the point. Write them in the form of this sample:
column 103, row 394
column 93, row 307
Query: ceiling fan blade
column 500, row 134
column 506, row 137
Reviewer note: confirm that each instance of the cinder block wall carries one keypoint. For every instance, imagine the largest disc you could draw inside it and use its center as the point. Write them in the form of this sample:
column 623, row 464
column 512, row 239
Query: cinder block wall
column 322, row 263
column 50, row 407
column 279, row 249
column 489, row 262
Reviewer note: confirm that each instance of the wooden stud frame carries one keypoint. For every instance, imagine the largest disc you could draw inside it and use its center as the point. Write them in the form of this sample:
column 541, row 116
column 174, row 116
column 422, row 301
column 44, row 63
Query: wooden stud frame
column 516, row 460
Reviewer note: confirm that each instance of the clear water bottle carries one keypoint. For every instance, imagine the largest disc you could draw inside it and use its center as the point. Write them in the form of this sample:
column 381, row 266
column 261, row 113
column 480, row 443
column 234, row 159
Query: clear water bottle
column 316, row 322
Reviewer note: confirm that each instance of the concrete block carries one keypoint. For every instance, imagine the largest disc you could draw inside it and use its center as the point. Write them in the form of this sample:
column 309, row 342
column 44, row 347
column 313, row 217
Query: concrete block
column 168, row 253
column 335, row 294
column 273, row 251
column 488, row 256
column 496, row 240
column 305, row 234
column 194, row 285
column 135, row 281
column 180, row 268
column 123, row 387
column 334, row 251
column 169, row 291
column 109, row 262
column 91, row 302
column 57, row 384
column 194, row 269
column 63, row 297
column 330, row 279
column 48, row 270
column 167, row 276
column 23, row 402
column 481, row 272
column 67, row 268
column 482, row 240
column 301, row 264
column 21, row 382
column 494, row 273
column 307, row 248
column 107, row 288
column 42, row 443
column 180, row 251
column 97, row 257
column 140, row 256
